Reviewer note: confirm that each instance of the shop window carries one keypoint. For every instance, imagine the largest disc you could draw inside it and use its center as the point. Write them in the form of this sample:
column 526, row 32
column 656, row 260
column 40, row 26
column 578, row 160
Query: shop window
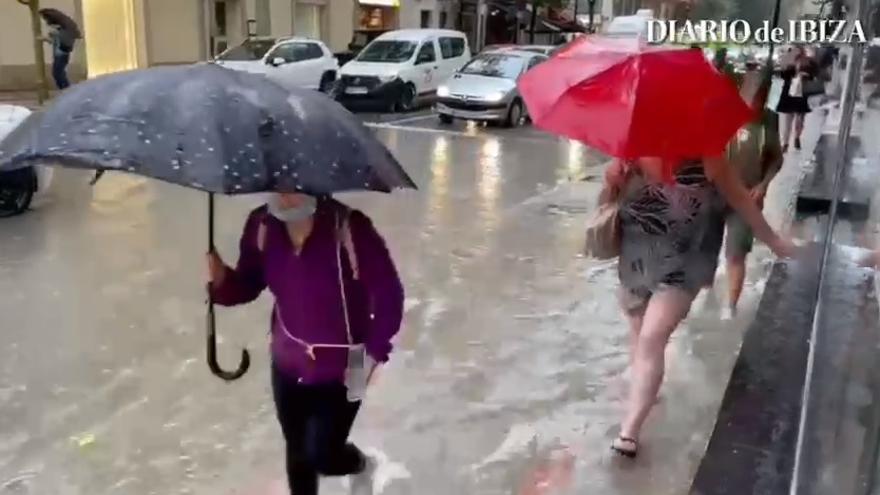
column 264, row 18
column 307, row 21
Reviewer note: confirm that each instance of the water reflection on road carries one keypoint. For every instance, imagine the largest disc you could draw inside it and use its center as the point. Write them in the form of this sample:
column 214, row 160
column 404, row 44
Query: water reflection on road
column 506, row 378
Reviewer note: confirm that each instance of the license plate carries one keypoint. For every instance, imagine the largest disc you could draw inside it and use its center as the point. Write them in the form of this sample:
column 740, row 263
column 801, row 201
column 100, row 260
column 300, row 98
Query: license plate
column 356, row 90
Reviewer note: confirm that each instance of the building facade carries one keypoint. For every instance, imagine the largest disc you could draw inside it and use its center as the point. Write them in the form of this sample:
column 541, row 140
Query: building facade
column 128, row 34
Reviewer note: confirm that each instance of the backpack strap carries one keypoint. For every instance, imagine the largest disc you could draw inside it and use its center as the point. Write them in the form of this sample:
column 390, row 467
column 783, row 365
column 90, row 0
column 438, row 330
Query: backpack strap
column 261, row 237
column 347, row 241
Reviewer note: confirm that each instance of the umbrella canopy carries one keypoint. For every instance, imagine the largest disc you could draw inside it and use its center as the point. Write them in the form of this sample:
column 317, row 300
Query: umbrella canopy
column 55, row 16
column 630, row 99
column 209, row 128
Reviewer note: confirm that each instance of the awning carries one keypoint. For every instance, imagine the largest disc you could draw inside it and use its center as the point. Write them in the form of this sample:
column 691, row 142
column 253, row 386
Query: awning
column 381, row 3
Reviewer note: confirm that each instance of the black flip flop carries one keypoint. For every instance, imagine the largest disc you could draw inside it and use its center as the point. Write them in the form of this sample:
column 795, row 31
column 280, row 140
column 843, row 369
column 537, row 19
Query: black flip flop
column 625, row 452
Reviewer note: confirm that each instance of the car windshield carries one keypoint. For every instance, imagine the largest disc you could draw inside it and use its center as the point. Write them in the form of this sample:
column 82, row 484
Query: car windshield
column 249, row 50
column 388, row 51
column 495, row 65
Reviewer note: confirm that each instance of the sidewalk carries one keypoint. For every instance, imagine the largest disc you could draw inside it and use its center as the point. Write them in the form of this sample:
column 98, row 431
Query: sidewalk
column 24, row 98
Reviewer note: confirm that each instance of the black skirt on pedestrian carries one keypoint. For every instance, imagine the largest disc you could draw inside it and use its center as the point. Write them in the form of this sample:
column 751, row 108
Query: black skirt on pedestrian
column 788, row 103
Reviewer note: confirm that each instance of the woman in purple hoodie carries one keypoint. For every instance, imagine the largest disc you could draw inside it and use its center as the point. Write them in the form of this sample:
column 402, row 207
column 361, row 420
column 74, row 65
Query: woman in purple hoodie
column 338, row 303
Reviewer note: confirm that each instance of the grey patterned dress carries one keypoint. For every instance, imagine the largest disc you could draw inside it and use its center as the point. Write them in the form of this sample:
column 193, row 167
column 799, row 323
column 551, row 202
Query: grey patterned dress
column 671, row 235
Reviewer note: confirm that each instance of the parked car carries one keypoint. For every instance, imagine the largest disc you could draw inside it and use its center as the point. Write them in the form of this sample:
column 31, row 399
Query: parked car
column 547, row 50
column 20, row 187
column 399, row 66
column 485, row 89
column 291, row 62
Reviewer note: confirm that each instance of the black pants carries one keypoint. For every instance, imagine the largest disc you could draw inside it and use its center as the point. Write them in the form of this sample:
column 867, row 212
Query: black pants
column 316, row 421
column 59, row 70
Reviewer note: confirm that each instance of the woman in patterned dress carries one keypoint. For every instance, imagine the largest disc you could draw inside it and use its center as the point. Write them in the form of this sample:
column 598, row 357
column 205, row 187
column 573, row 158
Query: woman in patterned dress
column 667, row 255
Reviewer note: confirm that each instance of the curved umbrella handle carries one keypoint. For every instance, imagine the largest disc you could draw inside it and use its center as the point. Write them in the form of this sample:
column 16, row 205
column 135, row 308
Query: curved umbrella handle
column 212, row 352
column 211, row 323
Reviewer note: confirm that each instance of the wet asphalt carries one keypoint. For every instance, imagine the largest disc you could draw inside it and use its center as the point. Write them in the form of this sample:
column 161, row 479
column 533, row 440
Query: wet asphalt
column 507, row 378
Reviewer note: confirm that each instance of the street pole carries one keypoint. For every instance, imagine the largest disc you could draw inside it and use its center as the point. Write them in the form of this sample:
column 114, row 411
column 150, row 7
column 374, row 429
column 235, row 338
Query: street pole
column 590, row 10
column 39, row 55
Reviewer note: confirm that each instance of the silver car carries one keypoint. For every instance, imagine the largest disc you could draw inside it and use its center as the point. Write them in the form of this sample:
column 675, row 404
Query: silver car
column 485, row 89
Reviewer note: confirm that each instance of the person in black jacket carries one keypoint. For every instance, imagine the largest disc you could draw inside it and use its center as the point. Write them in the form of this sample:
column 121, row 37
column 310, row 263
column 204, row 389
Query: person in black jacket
column 62, row 41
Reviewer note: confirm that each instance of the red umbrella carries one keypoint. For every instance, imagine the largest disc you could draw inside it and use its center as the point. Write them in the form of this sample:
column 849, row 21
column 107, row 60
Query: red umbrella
column 630, row 99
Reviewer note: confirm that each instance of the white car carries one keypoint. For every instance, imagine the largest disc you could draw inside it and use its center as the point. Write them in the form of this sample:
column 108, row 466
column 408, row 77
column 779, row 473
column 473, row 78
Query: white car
column 19, row 187
column 291, row 62
column 399, row 66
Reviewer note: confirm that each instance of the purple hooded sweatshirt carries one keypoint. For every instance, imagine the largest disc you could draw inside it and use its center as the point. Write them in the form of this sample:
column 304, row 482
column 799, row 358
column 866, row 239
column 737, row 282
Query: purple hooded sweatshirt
column 306, row 290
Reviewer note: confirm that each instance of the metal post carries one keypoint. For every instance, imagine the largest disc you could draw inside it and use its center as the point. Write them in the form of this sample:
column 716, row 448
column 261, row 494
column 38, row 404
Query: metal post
column 39, row 55
column 590, row 11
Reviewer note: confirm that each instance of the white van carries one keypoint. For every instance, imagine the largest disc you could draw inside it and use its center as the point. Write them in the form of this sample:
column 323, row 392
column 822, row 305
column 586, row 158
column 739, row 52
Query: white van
column 399, row 66
column 626, row 26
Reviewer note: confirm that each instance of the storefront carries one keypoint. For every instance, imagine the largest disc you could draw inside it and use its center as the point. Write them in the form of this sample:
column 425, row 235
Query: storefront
column 378, row 15
column 115, row 33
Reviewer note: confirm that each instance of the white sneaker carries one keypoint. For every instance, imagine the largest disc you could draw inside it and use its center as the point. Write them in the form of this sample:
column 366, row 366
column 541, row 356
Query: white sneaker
column 362, row 483
column 728, row 313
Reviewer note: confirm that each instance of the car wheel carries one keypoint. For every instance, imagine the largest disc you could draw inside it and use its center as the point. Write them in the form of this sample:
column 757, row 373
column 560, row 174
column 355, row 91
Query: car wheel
column 406, row 100
column 16, row 197
column 445, row 119
column 514, row 114
column 327, row 82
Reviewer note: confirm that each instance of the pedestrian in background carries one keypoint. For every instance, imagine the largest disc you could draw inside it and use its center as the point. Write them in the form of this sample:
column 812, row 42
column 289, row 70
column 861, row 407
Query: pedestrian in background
column 793, row 102
column 338, row 303
column 62, row 39
column 664, row 262
column 756, row 154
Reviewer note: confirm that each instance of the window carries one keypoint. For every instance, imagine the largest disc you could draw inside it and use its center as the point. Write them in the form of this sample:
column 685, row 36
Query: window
column 296, row 52
column 313, row 51
column 264, row 18
column 220, row 18
column 443, row 19
column 249, row 50
column 425, row 18
column 393, row 51
column 495, row 65
column 535, row 61
column 307, row 20
column 451, row 47
column 427, row 53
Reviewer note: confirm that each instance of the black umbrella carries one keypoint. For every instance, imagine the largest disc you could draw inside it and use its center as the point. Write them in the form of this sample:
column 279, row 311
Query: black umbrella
column 208, row 128
column 58, row 18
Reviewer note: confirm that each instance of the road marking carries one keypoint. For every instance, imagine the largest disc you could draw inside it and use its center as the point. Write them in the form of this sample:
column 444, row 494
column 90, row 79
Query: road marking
column 411, row 119
column 382, row 125
column 450, row 132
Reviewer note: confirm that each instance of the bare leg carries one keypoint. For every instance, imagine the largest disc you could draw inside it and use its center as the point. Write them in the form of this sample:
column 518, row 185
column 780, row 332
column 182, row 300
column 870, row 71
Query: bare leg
column 786, row 130
column 665, row 311
column 736, row 277
column 635, row 325
column 798, row 129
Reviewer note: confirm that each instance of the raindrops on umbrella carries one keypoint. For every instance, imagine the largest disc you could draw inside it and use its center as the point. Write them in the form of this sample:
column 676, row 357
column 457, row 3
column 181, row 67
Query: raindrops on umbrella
column 208, row 128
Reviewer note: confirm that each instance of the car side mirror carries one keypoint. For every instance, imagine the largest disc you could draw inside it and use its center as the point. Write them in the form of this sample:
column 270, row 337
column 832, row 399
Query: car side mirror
column 275, row 62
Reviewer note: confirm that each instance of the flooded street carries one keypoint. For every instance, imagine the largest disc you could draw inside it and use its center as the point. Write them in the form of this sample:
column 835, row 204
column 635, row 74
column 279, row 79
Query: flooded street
column 507, row 377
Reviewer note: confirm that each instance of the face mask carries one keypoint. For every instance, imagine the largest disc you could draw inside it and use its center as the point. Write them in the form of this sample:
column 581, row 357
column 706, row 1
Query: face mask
column 292, row 215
